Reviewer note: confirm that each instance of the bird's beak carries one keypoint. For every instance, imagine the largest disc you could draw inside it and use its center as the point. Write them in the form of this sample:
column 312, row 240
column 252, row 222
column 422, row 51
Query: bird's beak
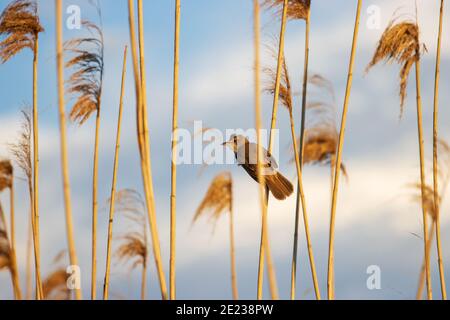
column 225, row 143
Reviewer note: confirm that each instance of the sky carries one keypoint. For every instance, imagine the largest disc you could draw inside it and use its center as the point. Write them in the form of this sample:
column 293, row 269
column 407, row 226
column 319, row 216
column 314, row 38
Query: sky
column 377, row 223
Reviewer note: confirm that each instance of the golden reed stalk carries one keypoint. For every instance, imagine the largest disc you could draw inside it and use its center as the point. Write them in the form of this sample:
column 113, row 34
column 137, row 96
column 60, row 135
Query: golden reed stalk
column 114, row 181
column 435, row 157
column 264, row 245
column 173, row 202
column 63, row 139
column 143, row 136
column 337, row 168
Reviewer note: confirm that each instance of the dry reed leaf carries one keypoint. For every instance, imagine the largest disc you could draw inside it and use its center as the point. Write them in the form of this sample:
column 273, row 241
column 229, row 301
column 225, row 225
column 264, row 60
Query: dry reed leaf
column 297, row 9
column 399, row 43
column 6, row 174
column 285, row 95
column 19, row 28
column 86, row 81
column 218, row 199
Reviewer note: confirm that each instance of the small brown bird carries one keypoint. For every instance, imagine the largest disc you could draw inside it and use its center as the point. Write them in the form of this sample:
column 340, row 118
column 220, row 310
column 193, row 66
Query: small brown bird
column 247, row 154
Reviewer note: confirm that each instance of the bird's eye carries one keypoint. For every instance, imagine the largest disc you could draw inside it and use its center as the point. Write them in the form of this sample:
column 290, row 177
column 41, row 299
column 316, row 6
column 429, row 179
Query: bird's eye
column 235, row 139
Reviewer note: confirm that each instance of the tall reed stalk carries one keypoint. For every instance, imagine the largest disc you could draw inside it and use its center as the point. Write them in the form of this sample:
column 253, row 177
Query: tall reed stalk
column 173, row 202
column 264, row 252
column 143, row 135
column 435, row 157
column 264, row 244
column 422, row 174
column 114, row 180
column 63, row 139
column 337, row 168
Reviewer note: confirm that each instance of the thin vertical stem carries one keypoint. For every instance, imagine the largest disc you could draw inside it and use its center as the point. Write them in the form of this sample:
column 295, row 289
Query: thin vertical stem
column 264, row 236
column 173, row 203
column 36, row 168
column 299, row 185
column 114, row 181
column 264, row 245
column 435, row 157
column 305, row 214
column 148, row 181
column 422, row 269
column 330, row 280
column 143, row 280
column 29, row 267
column 234, row 285
column 15, row 273
column 95, row 206
column 63, row 142
column 422, row 178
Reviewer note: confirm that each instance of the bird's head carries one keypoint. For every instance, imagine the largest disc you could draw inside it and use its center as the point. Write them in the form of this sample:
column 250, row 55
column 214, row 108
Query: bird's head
column 235, row 142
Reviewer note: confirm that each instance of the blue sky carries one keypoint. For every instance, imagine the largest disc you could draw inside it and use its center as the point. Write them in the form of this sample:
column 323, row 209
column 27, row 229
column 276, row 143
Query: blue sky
column 375, row 219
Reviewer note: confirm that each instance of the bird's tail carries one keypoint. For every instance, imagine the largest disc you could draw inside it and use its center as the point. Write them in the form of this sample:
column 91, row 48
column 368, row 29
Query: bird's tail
column 280, row 187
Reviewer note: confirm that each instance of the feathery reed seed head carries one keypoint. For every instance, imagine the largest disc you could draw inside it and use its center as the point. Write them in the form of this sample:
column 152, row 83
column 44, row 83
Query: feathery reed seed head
column 285, row 95
column 399, row 43
column 19, row 28
column 6, row 174
column 218, row 199
column 55, row 287
column 5, row 249
column 21, row 150
column 134, row 244
column 297, row 9
column 86, row 81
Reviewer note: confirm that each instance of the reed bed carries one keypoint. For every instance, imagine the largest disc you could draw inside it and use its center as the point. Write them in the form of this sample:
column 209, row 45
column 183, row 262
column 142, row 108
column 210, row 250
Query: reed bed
column 319, row 142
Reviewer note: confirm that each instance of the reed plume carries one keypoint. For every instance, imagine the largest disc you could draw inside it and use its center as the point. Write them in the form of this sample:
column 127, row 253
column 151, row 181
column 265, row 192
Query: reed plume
column 321, row 135
column 7, row 182
column 400, row 43
column 217, row 202
column 63, row 139
column 55, row 284
column 296, row 10
column 143, row 133
column 133, row 247
column 7, row 256
column 437, row 219
column 337, row 167
column 19, row 29
column 21, row 153
column 86, row 84
column 443, row 171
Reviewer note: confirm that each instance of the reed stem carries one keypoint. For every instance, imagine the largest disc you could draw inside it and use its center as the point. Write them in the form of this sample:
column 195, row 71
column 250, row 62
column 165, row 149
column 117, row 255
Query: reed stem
column 337, row 168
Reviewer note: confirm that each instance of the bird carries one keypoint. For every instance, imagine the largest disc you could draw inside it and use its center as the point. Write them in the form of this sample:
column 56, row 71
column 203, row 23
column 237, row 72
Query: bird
column 246, row 154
